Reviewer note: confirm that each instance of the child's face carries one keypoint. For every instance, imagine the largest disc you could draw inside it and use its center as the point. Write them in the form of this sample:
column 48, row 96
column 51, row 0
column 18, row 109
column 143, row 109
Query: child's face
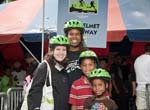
column 87, row 66
column 98, row 86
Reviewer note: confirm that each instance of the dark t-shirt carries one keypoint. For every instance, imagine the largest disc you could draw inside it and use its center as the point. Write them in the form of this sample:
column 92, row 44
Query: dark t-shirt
column 117, row 76
column 93, row 104
column 73, row 68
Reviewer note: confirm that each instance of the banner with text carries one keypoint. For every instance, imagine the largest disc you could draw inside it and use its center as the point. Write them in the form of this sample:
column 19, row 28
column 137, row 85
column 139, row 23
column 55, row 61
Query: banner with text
column 93, row 13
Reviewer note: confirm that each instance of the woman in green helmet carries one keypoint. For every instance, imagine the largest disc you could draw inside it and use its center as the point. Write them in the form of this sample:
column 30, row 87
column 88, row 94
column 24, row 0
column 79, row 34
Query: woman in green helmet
column 74, row 30
column 57, row 61
column 99, row 79
column 81, row 88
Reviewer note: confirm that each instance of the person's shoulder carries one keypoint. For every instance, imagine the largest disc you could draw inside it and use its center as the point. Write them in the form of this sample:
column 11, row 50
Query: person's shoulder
column 110, row 100
column 141, row 57
column 78, row 81
column 90, row 99
column 112, row 103
column 42, row 65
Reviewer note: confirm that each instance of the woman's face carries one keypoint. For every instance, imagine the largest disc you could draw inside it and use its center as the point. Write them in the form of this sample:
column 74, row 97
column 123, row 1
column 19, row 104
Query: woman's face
column 60, row 53
column 74, row 35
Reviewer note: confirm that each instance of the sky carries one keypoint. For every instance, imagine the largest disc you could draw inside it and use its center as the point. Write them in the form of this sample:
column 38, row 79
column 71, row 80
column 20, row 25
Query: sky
column 51, row 11
column 135, row 14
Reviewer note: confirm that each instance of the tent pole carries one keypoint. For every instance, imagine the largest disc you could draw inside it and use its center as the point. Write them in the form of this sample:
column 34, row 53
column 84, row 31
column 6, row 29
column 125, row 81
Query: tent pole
column 29, row 51
column 43, row 28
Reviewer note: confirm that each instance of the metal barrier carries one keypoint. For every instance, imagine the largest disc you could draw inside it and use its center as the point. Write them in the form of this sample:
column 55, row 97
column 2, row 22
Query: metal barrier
column 14, row 98
column 3, row 101
column 148, row 96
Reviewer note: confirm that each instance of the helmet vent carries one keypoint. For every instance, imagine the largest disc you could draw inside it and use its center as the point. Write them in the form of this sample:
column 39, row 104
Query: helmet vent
column 62, row 39
column 58, row 39
column 100, row 71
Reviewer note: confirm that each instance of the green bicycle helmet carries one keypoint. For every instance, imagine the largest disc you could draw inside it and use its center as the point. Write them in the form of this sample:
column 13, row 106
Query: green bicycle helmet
column 59, row 40
column 99, row 73
column 73, row 24
column 88, row 54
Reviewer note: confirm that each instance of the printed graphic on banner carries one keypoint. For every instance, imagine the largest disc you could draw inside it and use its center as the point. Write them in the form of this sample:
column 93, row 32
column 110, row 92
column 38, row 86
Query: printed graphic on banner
column 83, row 6
column 93, row 14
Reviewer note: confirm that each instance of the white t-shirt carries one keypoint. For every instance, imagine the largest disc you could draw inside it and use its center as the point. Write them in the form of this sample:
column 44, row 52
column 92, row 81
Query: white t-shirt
column 142, row 70
column 20, row 76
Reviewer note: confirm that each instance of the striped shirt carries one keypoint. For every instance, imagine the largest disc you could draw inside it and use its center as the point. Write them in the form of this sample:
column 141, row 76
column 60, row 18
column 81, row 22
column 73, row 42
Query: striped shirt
column 80, row 90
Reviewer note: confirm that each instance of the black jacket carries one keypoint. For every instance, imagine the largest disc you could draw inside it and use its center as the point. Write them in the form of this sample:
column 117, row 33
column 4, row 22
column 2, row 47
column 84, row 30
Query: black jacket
column 59, row 84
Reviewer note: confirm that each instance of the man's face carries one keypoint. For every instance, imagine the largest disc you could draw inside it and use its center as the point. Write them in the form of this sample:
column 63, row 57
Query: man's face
column 74, row 35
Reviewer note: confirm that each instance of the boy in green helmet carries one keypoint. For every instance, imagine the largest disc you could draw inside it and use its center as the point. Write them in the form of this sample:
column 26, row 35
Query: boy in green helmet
column 99, row 79
column 81, row 88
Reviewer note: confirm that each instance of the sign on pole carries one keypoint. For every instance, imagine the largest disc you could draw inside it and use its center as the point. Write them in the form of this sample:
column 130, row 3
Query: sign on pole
column 93, row 13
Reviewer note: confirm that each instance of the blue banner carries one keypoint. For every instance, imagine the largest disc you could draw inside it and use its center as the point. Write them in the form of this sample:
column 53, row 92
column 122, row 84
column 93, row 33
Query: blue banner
column 93, row 13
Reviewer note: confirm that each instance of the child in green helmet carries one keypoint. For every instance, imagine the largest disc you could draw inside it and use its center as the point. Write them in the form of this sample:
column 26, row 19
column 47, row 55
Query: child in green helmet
column 99, row 79
column 81, row 88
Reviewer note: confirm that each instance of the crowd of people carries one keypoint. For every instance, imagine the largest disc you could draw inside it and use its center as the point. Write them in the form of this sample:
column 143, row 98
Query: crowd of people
column 81, row 80
column 13, row 74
